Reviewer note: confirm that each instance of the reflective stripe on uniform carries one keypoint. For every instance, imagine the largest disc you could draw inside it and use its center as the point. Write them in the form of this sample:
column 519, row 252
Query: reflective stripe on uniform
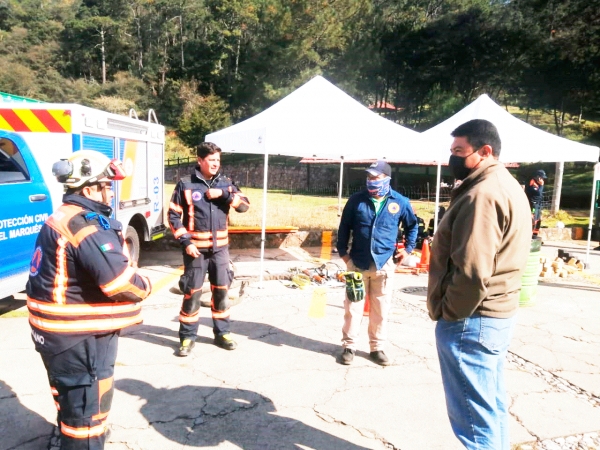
column 212, row 286
column 59, row 221
column 221, row 314
column 82, row 309
column 82, row 432
column 175, row 207
column 179, row 233
column 209, row 243
column 122, row 280
column 60, row 279
column 191, row 318
column 80, row 326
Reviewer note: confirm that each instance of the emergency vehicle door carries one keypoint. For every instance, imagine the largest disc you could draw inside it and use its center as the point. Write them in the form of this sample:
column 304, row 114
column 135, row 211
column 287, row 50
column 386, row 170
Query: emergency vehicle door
column 25, row 204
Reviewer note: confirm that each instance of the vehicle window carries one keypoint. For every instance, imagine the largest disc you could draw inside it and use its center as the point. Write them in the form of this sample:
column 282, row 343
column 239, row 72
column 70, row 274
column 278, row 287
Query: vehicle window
column 12, row 166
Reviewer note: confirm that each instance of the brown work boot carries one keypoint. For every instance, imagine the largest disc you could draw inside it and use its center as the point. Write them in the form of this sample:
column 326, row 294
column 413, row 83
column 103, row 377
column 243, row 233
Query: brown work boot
column 186, row 347
column 347, row 356
column 380, row 358
column 225, row 341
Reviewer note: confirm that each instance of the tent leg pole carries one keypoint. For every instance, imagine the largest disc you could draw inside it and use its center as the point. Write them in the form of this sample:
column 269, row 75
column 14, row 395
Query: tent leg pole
column 340, row 187
column 589, row 236
column 437, row 196
column 264, row 222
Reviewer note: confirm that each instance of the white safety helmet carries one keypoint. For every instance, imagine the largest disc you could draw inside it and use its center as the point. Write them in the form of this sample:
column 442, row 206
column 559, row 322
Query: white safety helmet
column 87, row 167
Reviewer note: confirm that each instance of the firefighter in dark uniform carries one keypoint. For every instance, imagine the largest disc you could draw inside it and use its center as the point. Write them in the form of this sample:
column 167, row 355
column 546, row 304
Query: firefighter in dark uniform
column 534, row 191
column 198, row 216
column 82, row 290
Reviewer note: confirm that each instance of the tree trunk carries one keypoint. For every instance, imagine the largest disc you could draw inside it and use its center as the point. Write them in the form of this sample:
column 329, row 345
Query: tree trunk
column 140, row 45
column 181, row 40
column 558, row 176
column 102, row 51
column 237, row 57
column 559, row 118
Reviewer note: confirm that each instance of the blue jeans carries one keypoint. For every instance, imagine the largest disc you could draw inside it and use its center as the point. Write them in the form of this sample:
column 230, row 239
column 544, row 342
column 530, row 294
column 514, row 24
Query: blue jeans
column 472, row 352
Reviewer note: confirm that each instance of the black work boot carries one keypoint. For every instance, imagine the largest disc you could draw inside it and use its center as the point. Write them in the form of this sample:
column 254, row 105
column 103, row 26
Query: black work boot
column 225, row 341
column 347, row 356
column 380, row 358
column 186, row 347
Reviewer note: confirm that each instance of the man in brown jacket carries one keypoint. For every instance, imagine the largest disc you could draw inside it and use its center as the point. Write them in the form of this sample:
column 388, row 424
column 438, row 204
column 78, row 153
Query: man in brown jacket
column 477, row 259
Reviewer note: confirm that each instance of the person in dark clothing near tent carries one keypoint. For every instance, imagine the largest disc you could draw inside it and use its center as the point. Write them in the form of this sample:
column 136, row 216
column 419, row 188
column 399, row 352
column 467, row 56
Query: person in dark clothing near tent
column 534, row 191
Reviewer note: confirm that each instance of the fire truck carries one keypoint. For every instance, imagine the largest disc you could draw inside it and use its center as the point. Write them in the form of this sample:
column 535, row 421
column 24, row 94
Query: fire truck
column 35, row 135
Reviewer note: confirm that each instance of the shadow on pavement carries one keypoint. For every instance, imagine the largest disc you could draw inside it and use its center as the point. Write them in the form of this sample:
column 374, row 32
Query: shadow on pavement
column 10, row 303
column 581, row 287
column 252, row 330
column 19, row 426
column 200, row 416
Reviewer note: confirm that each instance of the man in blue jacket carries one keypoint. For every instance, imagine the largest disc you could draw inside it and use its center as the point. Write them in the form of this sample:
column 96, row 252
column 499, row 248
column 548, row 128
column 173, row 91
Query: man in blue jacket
column 373, row 217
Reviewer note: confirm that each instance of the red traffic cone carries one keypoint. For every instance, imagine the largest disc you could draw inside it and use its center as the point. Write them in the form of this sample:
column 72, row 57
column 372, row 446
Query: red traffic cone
column 424, row 263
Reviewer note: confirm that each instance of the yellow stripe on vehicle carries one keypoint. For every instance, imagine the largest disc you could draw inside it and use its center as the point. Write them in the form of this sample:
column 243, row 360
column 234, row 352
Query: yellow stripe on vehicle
column 63, row 117
column 33, row 123
column 129, row 162
column 4, row 125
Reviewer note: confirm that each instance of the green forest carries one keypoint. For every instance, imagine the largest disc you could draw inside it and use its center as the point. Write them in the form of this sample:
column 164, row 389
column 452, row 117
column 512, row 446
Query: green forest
column 204, row 64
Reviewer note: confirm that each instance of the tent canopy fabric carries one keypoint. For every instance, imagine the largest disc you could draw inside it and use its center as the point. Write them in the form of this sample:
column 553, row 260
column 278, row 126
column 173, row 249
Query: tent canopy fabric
column 317, row 120
column 521, row 142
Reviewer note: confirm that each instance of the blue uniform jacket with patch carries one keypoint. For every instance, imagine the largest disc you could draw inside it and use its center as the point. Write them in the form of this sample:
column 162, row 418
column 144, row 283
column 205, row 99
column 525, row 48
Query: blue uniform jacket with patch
column 194, row 219
column 81, row 280
column 374, row 235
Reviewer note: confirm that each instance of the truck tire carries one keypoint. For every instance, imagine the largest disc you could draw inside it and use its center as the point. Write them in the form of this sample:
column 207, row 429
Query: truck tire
column 132, row 240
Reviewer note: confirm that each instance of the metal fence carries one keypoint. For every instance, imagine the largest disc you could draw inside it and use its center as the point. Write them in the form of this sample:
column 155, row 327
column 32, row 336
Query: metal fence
column 547, row 199
column 180, row 161
column 420, row 192
column 425, row 192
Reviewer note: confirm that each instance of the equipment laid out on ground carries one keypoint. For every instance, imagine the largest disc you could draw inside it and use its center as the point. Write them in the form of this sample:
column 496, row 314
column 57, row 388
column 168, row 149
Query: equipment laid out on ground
column 33, row 136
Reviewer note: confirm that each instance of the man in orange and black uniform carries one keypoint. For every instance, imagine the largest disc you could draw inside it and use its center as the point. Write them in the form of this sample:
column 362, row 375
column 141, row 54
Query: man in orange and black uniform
column 198, row 216
column 82, row 291
column 534, row 191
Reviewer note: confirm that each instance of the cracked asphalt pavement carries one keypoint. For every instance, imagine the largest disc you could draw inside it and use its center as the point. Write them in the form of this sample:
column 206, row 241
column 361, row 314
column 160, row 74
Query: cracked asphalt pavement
column 283, row 387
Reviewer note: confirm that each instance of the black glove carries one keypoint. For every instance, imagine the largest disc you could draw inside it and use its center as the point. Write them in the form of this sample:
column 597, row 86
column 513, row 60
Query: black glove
column 355, row 287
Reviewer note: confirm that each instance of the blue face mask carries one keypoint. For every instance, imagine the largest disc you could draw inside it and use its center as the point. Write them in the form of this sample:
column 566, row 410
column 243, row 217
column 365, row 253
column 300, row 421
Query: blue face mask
column 378, row 188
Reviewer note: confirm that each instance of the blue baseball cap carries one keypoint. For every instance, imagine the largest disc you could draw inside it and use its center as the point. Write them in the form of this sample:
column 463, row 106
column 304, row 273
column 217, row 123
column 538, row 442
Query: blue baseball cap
column 379, row 167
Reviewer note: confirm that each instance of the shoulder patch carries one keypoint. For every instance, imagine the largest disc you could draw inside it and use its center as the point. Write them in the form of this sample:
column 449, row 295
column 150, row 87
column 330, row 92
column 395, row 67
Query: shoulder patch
column 36, row 262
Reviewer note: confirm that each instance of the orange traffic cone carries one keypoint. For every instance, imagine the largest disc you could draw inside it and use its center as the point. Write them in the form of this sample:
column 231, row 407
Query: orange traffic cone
column 424, row 263
column 367, row 306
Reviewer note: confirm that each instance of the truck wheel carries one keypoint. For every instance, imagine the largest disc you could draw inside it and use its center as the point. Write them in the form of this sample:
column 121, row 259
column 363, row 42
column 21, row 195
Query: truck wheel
column 132, row 240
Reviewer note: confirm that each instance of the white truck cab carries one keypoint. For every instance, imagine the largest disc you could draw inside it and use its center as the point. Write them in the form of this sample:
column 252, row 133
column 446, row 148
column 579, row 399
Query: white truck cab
column 35, row 135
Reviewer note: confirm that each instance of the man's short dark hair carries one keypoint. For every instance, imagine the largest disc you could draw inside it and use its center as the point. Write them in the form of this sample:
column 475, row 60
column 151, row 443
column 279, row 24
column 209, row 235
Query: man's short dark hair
column 207, row 148
column 478, row 133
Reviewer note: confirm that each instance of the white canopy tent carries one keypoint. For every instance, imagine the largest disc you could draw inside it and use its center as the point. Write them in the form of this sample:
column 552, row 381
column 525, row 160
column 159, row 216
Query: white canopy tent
column 521, row 142
column 316, row 120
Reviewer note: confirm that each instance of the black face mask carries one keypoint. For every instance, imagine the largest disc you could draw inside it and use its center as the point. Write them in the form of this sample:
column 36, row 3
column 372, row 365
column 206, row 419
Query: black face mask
column 457, row 165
